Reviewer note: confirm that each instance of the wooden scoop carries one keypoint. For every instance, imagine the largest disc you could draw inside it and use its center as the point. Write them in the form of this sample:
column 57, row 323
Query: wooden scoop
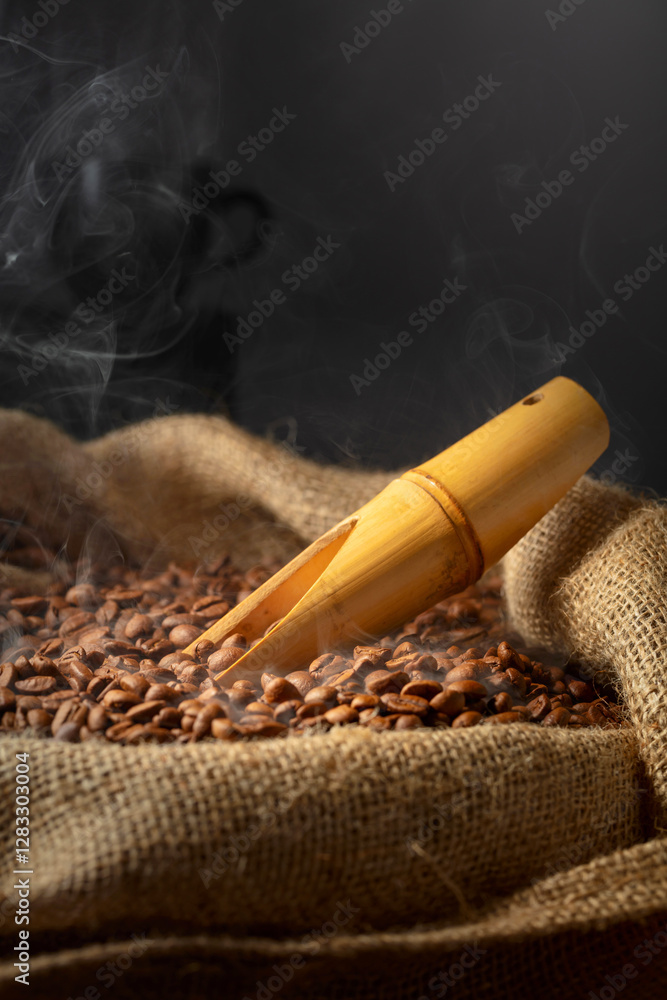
column 426, row 535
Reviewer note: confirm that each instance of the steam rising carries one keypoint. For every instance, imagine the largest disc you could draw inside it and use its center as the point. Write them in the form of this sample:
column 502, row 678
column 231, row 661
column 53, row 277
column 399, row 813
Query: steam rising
column 96, row 260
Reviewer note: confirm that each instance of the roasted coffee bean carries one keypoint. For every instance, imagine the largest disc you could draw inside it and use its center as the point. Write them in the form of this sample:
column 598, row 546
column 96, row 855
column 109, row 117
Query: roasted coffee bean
column 63, row 713
column 205, row 717
column 158, row 675
column 194, row 673
column 280, row 689
column 134, row 682
column 38, row 718
column 421, row 689
column 119, row 700
column 98, row 719
column 286, row 711
column 341, row 680
column 507, row 655
column 36, row 685
column 8, row 675
column 32, row 605
column 341, row 714
column 377, row 654
column 259, row 708
column 156, row 648
column 118, row 647
column 539, row 707
column 223, row 729
column 324, row 694
column 579, row 720
column 44, row 666
column 234, row 640
column 139, row 625
column 558, row 717
column 27, row 701
column 312, row 708
column 561, row 701
column 408, row 705
column 183, row 635
column 449, row 702
column 208, row 691
column 556, row 674
column 115, row 732
column 502, row 718
column 224, row 658
column 408, row 722
column 263, row 729
column 596, row 715
column 379, row 723
column 404, row 648
column 52, row 702
column 23, row 667
column 471, row 690
column 239, row 696
column 135, row 734
column 203, row 649
column 161, row 692
column 302, row 680
column 333, row 668
column 321, row 662
column 68, row 732
column 127, row 681
column 386, row 682
column 365, row 701
column 500, row 703
column 518, row 681
column 183, row 618
column 144, row 711
column 469, row 670
column 579, row 690
column 169, row 717
column 203, row 605
column 540, row 675
column 466, row 719
column 156, row 734
column 7, row 699
column 76, row 673
column 52, row 648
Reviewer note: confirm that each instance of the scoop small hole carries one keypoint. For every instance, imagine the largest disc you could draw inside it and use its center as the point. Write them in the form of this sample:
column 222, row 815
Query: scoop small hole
column 535, row 398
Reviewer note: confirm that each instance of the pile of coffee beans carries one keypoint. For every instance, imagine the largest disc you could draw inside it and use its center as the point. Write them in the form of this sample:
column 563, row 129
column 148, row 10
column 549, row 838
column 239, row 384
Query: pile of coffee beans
column 102, row 659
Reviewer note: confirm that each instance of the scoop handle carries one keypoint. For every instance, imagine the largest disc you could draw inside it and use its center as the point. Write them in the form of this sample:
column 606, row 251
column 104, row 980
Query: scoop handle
column 504, row 476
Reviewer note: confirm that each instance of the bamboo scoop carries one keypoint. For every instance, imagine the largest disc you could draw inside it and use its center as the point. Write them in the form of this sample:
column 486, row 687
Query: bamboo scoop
column 426, row 535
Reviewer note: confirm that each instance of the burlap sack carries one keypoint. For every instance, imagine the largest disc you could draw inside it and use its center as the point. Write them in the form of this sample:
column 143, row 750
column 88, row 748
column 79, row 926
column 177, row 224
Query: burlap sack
column 182, row 487
column 494, row 862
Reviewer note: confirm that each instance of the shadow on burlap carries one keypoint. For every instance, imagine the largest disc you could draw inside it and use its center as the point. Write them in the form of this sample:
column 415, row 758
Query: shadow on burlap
column 516, row 861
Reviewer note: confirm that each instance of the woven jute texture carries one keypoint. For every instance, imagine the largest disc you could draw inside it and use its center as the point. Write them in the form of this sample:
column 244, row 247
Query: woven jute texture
column 600, row 595
column 503, row 861
column 183, row 487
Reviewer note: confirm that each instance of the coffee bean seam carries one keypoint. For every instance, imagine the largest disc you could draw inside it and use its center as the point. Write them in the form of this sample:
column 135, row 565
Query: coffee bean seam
column 103, row 660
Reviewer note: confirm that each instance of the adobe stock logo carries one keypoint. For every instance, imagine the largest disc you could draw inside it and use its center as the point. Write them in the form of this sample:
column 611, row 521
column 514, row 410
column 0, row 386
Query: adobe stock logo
column 364, row 34
column 31, row 26
column 119, row 109
column 566, row 9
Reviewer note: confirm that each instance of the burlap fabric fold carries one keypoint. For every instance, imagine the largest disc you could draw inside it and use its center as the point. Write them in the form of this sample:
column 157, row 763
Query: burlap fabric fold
column 505, row 862
column 591, row 580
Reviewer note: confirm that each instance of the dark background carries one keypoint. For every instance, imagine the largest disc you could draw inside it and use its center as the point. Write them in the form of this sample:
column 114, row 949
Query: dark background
column 160, row 340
